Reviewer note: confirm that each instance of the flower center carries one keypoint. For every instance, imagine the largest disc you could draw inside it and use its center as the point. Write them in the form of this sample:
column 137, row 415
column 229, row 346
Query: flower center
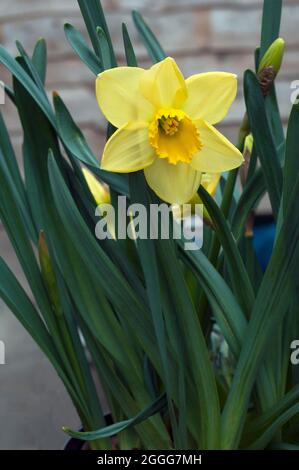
column 170, row 125
column 174, row 136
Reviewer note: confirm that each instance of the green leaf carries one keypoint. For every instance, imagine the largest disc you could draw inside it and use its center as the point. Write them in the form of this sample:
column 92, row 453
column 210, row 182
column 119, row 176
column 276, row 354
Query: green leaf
column 237, row 272
column 36, row 93
column 251, row 195
column 129, row 50
column 263, row 422
column 275, row 121
column 39, row 59
column 100, row 267
column 38, row 137
column 79, row 45
column 263, row 139
column 195, row 348
column 76, row 143
column 17, row 300
column 270, row 24
column 155, row 407
column 13, row 223
column 148, row 259
column 272, row 302
column 10, row 93
column 32, row 70
column 19, row 303
column 270, row 431
column 226, row 309
column 152, row 432
column 100, row 292
column 106, row 57
column 284, row 446
column 77, row 353
column 10, row 158
column 291, row 165
column 151, row 43
column 71, row 134
column 94, row 17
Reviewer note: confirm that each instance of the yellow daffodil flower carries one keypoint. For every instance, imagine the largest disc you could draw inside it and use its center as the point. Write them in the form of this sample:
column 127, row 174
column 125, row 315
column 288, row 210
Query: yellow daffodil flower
column 165, row 126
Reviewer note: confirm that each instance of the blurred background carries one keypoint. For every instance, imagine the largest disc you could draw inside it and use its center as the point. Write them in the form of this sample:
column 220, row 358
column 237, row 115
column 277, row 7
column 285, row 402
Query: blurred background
column 202, row 35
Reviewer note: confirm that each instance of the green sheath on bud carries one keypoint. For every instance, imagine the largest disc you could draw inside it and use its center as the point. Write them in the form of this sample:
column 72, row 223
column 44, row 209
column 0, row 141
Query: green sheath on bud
column 48, row 273
column 273, row 56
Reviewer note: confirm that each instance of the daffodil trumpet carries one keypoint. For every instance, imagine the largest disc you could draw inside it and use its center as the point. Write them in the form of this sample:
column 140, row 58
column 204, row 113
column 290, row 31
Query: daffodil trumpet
column 166, row 126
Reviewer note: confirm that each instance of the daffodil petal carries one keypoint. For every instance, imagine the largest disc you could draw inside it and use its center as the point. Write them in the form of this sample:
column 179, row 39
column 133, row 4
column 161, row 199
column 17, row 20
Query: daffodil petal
column 164, row 85
column 119, row 98
column 128, row 149
column 218, row 154
column 175, row 184
column 210, row 95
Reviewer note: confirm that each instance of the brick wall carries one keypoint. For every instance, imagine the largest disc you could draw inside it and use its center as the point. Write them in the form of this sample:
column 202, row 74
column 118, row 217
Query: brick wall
column 201, row 34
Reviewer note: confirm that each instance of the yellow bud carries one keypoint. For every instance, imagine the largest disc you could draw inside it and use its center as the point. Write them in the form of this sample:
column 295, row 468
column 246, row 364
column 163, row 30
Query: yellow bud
column 100, row 192
column 273, row 56
column 248, row 144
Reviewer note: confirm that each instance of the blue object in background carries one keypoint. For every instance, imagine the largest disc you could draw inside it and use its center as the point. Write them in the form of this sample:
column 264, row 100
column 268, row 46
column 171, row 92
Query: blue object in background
column 263, row 240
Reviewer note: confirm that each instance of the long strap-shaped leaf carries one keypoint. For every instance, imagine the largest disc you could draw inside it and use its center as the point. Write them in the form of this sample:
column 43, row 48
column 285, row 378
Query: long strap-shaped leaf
column 19, row 303
column 94, row 17
column 201, row 371
column 251, row 195
column 157, row 406
column 152, row 432
column 79, row 45
column 39, row 59
column 271, row 303
column 13, row 66
column 270, row 23
column 291, row 164
column 258, row 426
column 226, row 309
column 76, row 143
column 104, row 271
column 152, row 44
column 263, row 138
column 268, row 434
column 239, row 277
column 148, row 258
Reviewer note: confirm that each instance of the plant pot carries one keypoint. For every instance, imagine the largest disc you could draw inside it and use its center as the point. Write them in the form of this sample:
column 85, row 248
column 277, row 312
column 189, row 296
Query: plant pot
column 264, row 234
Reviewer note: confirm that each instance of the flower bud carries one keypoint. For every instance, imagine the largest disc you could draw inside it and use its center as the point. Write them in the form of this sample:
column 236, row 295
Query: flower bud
column 273, row 56
column 100, row 192
column 247, row 151
column 248, row 144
